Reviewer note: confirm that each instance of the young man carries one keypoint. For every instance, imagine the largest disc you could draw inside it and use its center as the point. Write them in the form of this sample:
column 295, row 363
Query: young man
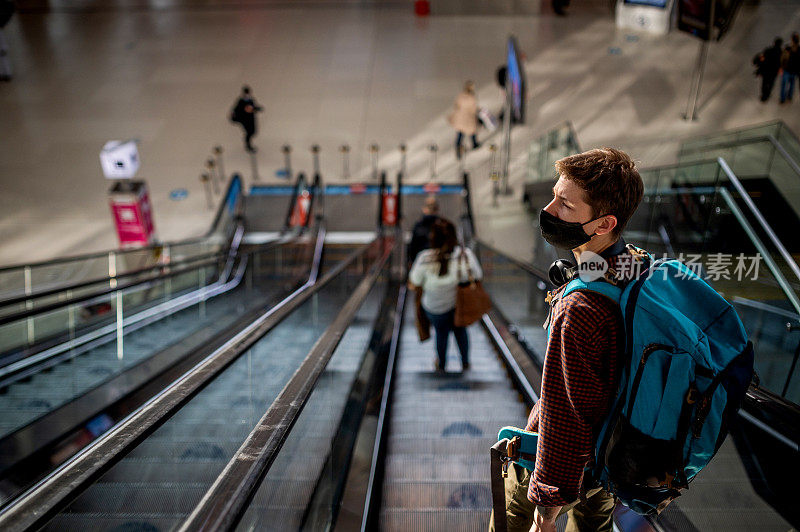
column 596, row 194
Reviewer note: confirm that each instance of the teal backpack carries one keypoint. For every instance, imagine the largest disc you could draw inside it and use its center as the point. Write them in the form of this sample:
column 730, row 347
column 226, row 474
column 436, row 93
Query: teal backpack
column 687, row 366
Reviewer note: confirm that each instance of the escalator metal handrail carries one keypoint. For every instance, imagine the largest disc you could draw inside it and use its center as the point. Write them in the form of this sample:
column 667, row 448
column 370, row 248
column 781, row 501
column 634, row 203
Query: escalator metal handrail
column 531, row 269
column 684, row 164
column 40, row 503
column 773, row 267
column 752, row 140
column 226, row 501
column 760, row 217
column 107, row 279
column 27, row 313
column 299, row 183
column 370, row 500
column 19, row 362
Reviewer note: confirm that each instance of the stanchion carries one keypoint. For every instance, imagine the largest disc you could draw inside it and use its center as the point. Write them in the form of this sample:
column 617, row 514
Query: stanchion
column 403, row 159
column 433, row 148
column 220, row 169
column 344, row 149
column 287, row 160
column 400, row 176
column 205, row 178
column 254, row 165
column 494, row 174
column 212, row 172
column 373, row 152
column 315, row 159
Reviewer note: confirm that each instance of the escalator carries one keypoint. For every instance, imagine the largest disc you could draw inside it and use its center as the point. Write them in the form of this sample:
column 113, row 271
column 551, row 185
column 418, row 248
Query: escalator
column 63, row 391
column 324, row 411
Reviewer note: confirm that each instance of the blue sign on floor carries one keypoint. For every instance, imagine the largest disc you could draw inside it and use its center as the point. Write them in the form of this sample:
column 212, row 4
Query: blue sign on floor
column 178, row 194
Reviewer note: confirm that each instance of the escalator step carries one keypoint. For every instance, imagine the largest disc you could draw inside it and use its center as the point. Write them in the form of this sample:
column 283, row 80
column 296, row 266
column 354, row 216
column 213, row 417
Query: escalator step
column 437, row 467
column 411, row 443
column 450, row 519
column 426, row 495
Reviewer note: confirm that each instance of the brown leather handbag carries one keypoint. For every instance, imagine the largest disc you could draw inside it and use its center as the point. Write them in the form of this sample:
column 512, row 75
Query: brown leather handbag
column 472, row 301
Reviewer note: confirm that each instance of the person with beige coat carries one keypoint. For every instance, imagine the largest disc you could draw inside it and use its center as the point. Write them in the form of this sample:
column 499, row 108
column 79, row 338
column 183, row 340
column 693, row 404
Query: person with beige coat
column 464, row 117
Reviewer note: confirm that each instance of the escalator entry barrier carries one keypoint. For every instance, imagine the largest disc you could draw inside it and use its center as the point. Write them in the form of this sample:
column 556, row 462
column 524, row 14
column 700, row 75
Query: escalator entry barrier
column 389, row 209
column 300, row 213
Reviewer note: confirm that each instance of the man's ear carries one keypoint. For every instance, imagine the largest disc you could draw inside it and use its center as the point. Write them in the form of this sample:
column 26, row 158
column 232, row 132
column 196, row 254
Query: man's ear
column 607, row 224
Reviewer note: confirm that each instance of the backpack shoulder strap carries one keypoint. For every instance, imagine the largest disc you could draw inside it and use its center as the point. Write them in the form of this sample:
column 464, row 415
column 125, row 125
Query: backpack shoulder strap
column 612, row 292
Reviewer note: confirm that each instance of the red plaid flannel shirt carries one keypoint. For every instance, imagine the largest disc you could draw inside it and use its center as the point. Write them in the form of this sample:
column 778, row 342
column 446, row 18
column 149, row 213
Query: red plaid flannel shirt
column 579, row 379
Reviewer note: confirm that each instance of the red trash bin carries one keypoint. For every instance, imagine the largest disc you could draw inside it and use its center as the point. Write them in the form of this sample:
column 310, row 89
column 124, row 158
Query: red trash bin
column 133, row 217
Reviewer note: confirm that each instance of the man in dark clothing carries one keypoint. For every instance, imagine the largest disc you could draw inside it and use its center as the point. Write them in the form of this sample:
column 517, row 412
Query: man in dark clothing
column 596, row 194
column 422, row 229
column 790, row 64
column 244, row 112
column 768, row 63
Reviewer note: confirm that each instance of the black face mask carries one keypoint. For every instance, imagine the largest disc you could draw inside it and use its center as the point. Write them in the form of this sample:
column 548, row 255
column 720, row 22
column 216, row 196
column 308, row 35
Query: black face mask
column 561, row 234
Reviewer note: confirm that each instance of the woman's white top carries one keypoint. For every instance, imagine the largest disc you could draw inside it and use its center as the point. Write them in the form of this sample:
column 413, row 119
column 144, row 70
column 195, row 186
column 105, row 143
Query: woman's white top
column 439, row 293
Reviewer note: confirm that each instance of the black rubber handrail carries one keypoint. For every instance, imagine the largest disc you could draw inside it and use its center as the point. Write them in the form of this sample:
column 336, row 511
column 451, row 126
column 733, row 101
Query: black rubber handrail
column 41, row 502
column 81, row 299
column 371, row 510
column 227, row 500
column 194, row 240
column 99, row 280
column 299, row 183
column 23, row 314
column 17, row 357
column 533, row 270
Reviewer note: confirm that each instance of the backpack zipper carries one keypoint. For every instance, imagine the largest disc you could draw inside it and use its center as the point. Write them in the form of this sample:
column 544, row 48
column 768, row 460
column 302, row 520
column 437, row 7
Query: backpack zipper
column 646, row 352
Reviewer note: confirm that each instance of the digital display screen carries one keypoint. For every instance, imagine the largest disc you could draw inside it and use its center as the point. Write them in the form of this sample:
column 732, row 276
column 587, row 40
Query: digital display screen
column 653, row 3
column 515, row 80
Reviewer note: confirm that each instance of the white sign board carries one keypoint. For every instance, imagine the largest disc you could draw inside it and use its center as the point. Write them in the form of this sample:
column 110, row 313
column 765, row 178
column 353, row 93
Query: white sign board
column 652, row 18
column 119, row 159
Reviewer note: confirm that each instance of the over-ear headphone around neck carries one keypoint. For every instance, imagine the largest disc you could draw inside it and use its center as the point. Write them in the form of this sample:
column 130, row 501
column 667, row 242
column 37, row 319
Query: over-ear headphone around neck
column 561, row 271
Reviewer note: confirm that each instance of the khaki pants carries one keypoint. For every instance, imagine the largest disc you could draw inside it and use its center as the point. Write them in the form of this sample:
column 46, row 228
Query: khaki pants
column 595, row 515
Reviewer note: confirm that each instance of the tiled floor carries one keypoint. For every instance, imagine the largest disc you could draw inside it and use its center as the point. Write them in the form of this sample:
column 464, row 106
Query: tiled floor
column 167, row 73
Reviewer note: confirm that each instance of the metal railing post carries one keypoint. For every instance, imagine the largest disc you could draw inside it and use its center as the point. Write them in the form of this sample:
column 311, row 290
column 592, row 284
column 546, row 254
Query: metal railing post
column 205, row 178
column 433, row 148
column 210, row 168
column 287, row 160
column 494, row 174
column 344, row 149
column 373, row 152
column 220, row 169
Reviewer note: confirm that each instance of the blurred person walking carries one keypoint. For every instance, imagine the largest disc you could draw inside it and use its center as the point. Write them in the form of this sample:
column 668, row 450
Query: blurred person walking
column 790, row 65
column 768, row 63
column 420, row 234
column 7, row 9
column 464, row 117
column 244, row 112
column 437, row 272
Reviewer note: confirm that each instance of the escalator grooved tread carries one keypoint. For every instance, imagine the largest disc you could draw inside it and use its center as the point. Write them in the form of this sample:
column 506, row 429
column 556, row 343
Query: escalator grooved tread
column 437, row 462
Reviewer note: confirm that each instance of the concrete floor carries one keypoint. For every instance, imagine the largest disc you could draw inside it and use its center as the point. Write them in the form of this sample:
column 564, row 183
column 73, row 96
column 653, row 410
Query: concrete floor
column 167, row 73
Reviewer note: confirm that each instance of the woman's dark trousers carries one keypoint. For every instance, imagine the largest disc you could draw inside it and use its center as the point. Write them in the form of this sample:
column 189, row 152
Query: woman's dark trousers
column 443, row 325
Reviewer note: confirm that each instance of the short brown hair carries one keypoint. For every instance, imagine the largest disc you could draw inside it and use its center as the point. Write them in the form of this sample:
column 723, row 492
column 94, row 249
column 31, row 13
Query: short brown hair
column 610, row 180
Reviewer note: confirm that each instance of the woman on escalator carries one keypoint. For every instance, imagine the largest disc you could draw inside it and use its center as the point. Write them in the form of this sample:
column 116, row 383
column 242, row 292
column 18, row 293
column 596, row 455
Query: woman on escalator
column 437, row 272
